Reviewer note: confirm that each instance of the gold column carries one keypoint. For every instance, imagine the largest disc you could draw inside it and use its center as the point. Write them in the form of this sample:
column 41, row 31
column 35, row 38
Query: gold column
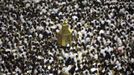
column 65, row 35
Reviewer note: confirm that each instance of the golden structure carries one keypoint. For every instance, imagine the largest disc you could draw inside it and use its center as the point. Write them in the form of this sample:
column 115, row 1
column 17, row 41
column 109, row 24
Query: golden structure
column 64, row 37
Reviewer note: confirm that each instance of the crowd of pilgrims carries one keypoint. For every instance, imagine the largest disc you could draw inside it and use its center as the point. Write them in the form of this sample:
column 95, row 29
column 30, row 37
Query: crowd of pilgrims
column 104, row 31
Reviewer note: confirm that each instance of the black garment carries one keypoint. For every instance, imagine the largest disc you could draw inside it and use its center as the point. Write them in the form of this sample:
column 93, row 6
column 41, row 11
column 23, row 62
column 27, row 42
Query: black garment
column 72, row 70
column 108, row 56
column 69, row 61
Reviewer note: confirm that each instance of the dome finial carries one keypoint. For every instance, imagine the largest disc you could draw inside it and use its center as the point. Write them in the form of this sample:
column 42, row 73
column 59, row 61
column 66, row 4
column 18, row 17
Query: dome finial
column 65, row 22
